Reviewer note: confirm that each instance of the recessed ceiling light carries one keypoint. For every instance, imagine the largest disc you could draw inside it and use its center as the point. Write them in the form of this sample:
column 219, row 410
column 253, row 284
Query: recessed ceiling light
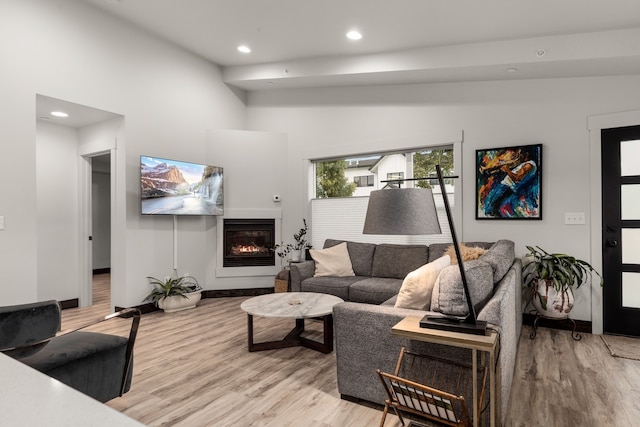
column 244, row 49
column 354, row 35
column 59, row 114
column 512, row 70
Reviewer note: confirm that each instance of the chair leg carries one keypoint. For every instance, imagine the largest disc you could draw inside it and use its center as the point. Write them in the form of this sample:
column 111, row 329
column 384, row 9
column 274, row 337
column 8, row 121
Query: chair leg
column 384, row 414
column 386, row 411
column 398, row 415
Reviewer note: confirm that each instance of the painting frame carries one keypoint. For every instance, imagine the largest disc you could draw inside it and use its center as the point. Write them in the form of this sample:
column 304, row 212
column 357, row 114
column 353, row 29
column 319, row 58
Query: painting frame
column 509, row 183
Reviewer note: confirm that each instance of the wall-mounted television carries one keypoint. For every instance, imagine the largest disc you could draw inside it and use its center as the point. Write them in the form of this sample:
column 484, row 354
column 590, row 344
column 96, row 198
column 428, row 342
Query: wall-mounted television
column 172, row 187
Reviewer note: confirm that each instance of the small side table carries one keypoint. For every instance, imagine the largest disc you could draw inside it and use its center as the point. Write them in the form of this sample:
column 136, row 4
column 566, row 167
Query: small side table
column 409, row 327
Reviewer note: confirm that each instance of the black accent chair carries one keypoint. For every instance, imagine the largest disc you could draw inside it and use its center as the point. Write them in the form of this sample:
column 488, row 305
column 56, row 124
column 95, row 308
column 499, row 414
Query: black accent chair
column 96, row 364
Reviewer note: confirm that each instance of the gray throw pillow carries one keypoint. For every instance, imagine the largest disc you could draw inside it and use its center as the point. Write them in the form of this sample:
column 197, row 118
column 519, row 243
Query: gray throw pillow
column 500, row 256
column 448, row 293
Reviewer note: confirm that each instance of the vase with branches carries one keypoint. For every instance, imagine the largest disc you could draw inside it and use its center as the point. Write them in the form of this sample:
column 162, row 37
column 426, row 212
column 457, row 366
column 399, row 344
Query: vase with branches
column 295, row 249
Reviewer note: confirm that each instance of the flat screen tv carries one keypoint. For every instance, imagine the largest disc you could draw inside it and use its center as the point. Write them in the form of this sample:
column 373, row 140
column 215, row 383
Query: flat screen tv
column 172, row 187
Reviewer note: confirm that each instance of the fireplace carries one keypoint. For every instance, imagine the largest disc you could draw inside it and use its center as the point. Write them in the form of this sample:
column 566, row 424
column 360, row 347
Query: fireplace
column 248, row 242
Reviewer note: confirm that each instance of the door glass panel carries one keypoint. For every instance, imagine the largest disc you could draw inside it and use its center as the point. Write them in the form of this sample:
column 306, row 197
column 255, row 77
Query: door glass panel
column 630, row 201
column 631, row 290
column 629, row 154
column 631, row 245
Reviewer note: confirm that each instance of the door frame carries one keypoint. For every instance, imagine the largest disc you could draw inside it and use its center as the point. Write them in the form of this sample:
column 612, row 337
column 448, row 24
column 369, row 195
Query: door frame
column 595, row 124
column 85, row 222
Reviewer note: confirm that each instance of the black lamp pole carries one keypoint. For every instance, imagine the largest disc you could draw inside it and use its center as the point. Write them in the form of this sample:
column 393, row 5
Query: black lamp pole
column 469, row 324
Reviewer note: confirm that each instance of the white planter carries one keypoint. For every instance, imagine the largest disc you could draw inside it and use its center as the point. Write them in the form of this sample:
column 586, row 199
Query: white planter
column 295, row 255
column 552, row 303
column 178, row 303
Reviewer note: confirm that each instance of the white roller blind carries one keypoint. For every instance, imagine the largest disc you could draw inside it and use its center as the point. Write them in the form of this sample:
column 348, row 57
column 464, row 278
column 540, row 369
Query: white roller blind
column 343, row 219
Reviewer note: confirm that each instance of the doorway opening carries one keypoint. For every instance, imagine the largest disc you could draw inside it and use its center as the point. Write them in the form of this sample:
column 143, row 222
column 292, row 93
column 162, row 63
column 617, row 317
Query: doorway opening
column 101, row 228
column 71, row 145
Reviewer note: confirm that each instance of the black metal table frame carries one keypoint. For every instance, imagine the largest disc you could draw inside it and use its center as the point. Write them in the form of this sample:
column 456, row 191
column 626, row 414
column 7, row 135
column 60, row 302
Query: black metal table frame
column 295, row 338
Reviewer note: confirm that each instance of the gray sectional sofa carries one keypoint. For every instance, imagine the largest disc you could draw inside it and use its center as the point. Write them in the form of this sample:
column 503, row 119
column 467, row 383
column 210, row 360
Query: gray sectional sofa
column 363, row 322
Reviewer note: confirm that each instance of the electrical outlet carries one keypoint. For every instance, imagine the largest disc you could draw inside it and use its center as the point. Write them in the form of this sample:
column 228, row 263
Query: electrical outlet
column 575, row 218
column 1, row 222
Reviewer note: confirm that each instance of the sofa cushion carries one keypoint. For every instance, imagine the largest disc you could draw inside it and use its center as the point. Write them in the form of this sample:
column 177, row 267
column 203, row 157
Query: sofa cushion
column 396, row 261
column 448, row 294
column 417, row 287
column 374, row 290
column 500, row 256
column 361, row 255
column 338, row 286
column 333, row 261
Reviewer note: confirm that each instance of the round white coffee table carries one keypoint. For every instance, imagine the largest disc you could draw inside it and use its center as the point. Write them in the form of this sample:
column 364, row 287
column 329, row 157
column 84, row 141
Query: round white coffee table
column 293, row 305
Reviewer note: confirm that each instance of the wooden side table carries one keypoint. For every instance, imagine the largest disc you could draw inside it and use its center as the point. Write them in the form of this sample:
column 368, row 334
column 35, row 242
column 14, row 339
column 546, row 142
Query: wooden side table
column 409, row 327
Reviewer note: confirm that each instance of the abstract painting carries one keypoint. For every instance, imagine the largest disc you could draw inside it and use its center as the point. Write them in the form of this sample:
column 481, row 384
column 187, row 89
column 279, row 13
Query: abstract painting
column 509, row 182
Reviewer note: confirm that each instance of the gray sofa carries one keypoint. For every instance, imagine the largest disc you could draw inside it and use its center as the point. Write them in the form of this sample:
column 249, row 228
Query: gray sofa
column 363, row 322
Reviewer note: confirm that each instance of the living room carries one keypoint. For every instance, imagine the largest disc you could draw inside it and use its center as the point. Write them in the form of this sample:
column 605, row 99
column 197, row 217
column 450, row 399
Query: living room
column 173, row 103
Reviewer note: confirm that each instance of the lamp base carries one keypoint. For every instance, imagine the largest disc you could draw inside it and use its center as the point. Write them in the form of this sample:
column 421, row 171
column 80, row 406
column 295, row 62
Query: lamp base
column 454, row 324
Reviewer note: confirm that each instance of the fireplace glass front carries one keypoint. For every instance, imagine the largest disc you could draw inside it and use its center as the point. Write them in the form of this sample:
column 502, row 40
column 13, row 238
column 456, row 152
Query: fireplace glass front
column 248, row 242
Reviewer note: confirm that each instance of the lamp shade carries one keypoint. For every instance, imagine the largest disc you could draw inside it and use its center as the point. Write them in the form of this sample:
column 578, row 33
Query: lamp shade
column 401, row 211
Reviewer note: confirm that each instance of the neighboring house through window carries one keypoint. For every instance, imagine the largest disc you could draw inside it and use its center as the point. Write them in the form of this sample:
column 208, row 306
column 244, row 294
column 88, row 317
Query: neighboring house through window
column 344, row 184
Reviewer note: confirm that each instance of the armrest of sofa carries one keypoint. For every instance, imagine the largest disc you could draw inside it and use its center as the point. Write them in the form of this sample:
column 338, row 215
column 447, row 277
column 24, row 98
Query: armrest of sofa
column 364, row 343
column 504, row 309
column 299, row 272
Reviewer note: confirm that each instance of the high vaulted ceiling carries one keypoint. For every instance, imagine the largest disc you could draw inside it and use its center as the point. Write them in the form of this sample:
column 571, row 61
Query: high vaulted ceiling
column 302, row 43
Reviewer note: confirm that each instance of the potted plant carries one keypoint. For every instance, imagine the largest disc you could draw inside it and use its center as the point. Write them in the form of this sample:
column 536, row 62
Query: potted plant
column 295, row 249
column 551, row 278
column 174, row 293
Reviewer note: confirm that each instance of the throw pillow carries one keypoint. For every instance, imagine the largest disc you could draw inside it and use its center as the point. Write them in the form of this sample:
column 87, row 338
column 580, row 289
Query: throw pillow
column 333, row 261
column 417, row 287
column 468, row 253
column 448, row 295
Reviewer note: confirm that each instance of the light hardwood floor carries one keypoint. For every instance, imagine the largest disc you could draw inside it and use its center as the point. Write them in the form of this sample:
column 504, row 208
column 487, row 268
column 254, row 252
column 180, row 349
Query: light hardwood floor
column 192, row 369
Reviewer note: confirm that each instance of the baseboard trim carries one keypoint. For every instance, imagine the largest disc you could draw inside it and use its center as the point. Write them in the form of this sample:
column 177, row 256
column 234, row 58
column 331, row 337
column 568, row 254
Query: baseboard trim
column 226, row 293
column 144, row 308
column 69, row 303
column 583, row 326
column 102, row 270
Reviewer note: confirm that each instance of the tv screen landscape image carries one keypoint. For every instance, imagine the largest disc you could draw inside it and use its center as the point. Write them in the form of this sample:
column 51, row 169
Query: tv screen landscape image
column 172, row 187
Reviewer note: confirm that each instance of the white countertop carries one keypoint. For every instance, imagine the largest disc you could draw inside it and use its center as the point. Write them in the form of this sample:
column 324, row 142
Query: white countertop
column 29, row 398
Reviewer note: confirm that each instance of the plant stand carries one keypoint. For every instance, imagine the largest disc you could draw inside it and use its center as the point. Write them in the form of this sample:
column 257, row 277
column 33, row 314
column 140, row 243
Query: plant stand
column 575, row 335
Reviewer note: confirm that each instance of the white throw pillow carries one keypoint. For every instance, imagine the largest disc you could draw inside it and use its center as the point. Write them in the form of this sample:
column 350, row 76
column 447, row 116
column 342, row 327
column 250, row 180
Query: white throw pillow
column 333, row 261
column 418, row 285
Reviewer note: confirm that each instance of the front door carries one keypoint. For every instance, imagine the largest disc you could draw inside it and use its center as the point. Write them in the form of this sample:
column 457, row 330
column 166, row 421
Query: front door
column 621, row 230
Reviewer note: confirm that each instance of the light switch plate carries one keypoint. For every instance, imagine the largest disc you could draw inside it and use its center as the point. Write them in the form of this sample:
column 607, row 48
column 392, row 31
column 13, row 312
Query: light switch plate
column 574, row 218
column 1, row 222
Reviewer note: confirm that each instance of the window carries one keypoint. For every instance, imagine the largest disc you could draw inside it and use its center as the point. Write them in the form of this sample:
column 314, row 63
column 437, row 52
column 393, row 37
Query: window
column 343, row 186
column 358, row 176
column 364, row 181
column 395, row 175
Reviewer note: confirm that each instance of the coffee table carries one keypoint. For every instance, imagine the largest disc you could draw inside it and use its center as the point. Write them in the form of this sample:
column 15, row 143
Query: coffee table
column 293, row 305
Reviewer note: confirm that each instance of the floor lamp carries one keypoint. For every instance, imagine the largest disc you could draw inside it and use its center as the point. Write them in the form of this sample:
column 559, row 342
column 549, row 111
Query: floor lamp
column 412, row 211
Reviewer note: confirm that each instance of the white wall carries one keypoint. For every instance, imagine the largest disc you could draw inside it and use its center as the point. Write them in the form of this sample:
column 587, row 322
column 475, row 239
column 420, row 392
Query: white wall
column 255, row 169
column 57, row 208
column 67, row 50
column 492, row 114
